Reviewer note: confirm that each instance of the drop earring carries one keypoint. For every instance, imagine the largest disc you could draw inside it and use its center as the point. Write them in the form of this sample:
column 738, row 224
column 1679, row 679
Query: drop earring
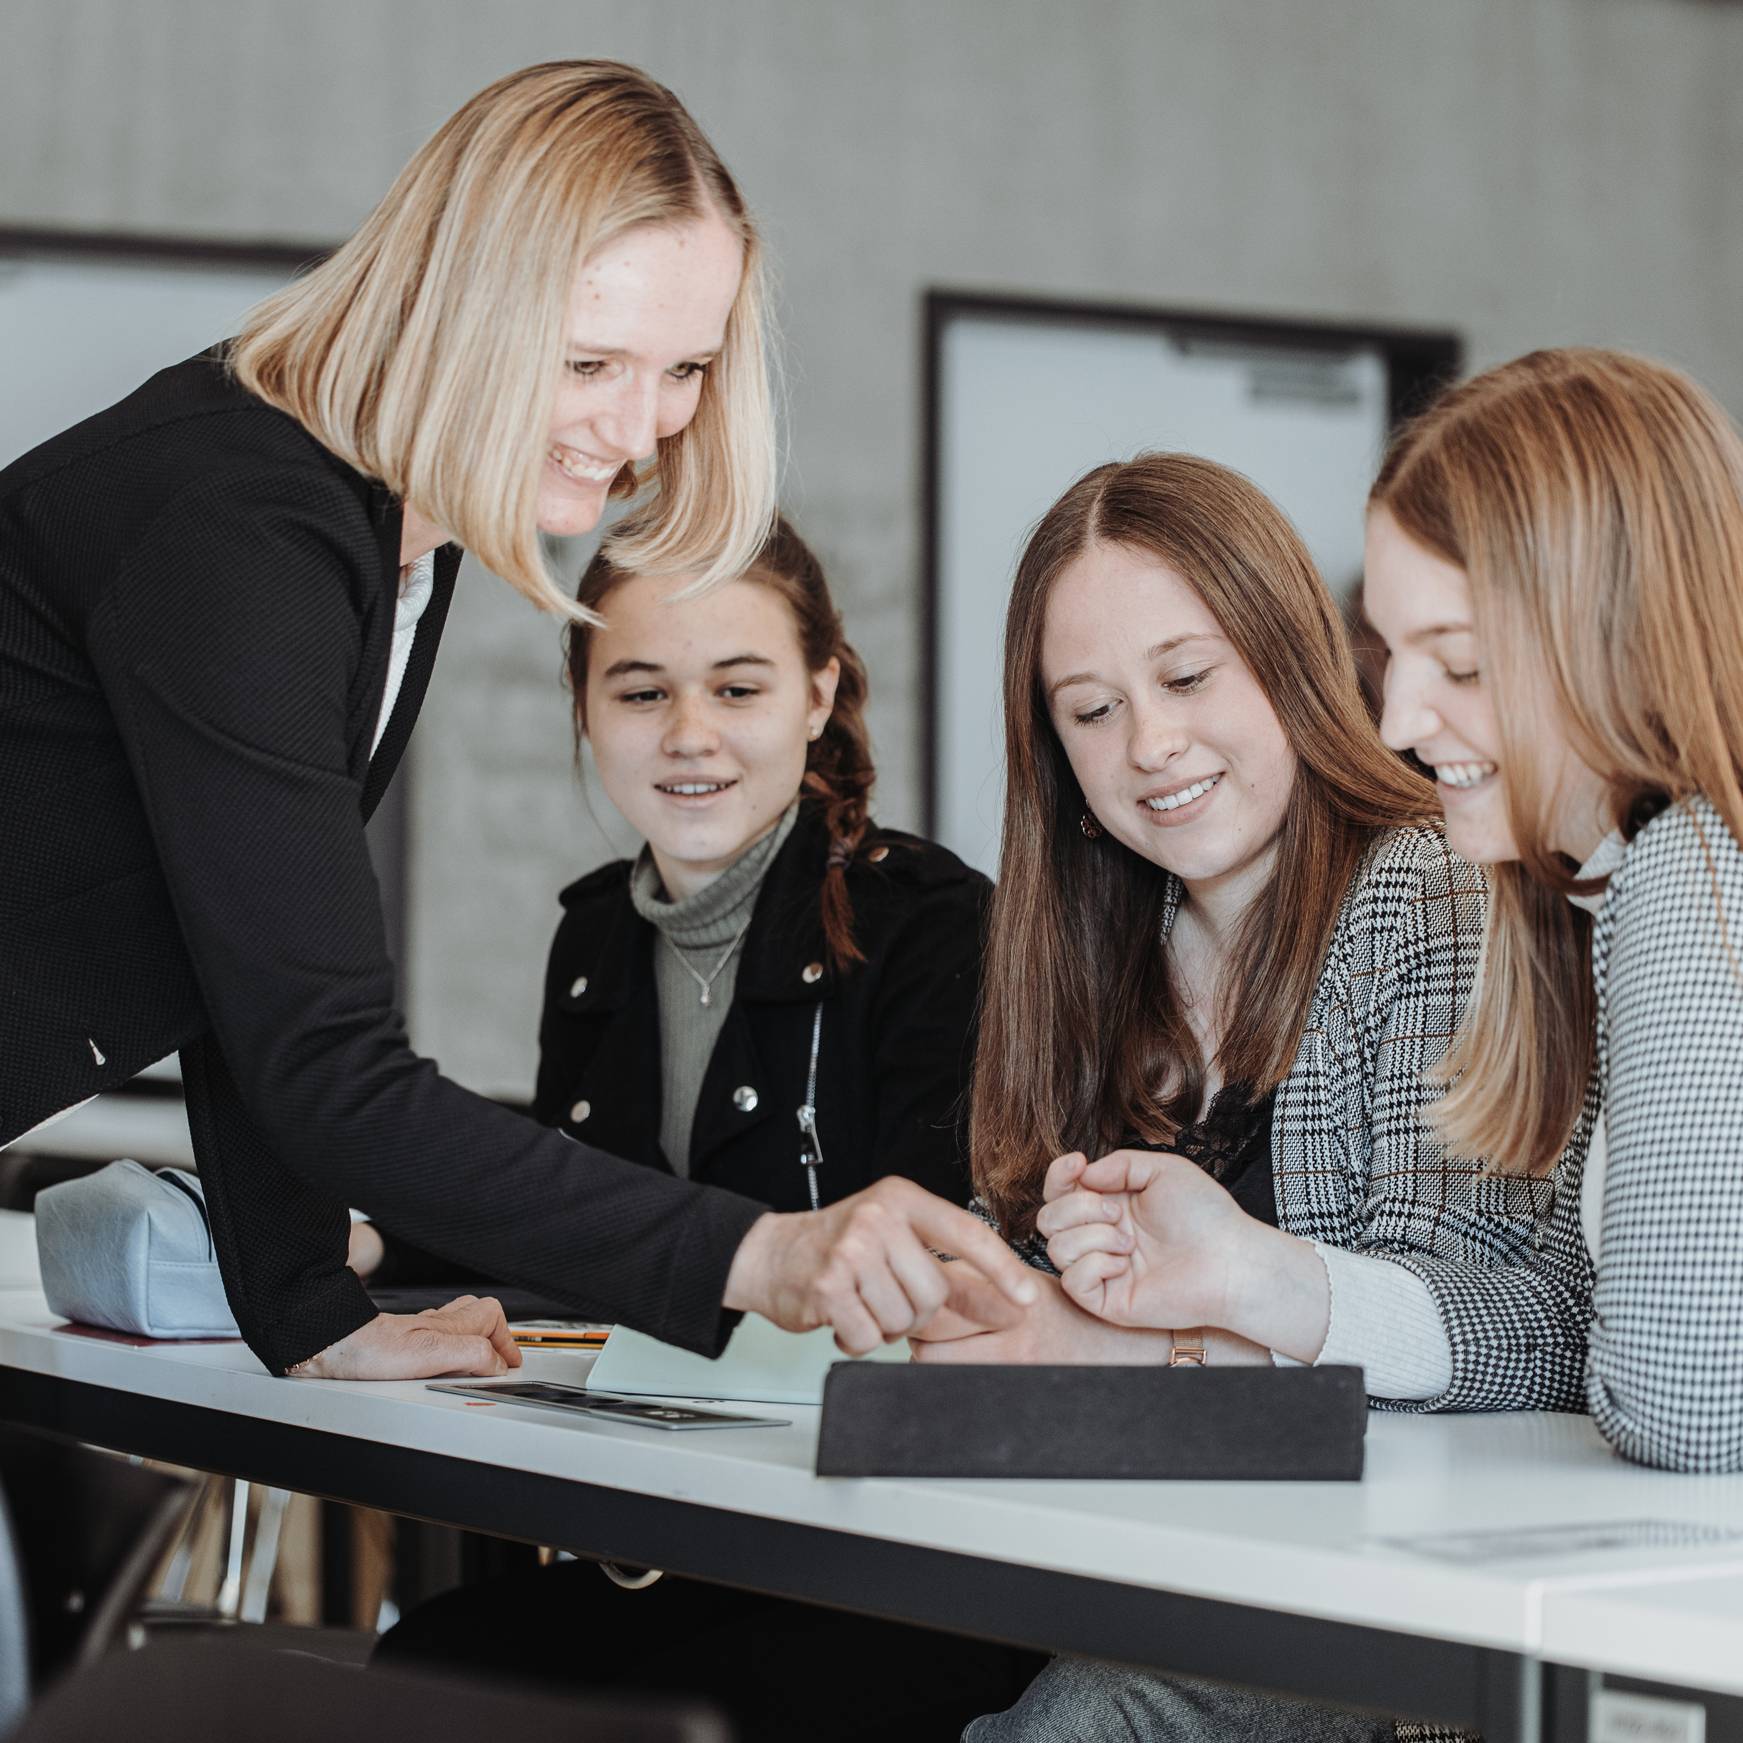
column 1087, row 823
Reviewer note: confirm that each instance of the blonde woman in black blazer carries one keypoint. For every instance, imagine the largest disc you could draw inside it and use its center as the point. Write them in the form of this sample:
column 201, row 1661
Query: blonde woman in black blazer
column 209, row 669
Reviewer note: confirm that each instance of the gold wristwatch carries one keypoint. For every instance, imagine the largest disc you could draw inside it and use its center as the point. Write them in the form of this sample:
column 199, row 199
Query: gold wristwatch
column 1188, row 1350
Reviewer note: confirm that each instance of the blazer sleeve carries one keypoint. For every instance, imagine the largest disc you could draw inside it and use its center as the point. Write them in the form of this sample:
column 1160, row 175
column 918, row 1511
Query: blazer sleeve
column 1503, row 1257
column 923, row 1035
column 401, row 1262
column 1665, row 1383
column 227, row 646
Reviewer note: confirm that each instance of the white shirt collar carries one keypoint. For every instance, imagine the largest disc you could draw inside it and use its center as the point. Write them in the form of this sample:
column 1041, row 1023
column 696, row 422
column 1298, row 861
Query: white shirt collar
column 417, row 581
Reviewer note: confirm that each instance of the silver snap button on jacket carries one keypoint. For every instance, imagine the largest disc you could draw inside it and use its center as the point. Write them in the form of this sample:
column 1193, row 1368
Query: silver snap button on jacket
column 878, row 854
column 579, row 1112
column 577, row 986
column 744, row 1098
column 811, row 973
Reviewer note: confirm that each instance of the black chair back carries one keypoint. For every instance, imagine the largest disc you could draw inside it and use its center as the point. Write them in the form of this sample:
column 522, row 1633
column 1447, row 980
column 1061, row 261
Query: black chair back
column 90, row 1527
column 225, row 1692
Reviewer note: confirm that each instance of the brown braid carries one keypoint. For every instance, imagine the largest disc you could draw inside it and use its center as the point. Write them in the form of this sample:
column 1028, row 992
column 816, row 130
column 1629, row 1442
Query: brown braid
column 839, row 772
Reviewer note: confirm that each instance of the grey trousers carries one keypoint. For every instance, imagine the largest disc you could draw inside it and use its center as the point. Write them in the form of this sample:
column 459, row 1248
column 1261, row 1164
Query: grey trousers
column 1083, row 1700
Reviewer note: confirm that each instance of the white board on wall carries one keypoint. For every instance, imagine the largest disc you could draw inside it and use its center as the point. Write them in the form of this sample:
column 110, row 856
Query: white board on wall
column 79, row 331
column 1026, row 398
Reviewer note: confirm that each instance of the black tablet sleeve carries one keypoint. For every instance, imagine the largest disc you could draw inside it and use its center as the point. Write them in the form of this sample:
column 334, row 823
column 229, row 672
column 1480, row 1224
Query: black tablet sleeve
column 1219, row 1424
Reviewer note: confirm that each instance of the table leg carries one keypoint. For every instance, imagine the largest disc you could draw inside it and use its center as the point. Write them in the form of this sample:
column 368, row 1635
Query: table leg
column 338, row 1549
column 1664, row 1714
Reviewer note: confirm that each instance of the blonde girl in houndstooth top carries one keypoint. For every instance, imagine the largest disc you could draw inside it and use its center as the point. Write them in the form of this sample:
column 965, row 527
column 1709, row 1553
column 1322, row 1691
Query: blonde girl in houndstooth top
column 1555, row 559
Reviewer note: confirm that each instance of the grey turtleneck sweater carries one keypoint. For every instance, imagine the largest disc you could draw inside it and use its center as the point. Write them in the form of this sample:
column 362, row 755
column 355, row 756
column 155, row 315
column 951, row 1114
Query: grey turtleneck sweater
column 697, row 930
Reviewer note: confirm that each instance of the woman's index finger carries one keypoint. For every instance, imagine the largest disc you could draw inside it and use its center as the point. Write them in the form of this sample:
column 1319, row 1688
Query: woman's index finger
column 945, row 1225
column 1062, row 1173
column 1076, row 1207
column 1121, row 1171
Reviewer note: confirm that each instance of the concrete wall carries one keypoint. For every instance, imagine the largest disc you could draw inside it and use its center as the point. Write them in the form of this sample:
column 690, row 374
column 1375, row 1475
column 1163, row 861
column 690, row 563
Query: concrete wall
column 1526, row 171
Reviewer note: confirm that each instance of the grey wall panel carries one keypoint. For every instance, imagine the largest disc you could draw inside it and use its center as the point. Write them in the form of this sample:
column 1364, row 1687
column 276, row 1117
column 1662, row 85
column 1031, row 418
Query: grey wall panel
column 1524, row 171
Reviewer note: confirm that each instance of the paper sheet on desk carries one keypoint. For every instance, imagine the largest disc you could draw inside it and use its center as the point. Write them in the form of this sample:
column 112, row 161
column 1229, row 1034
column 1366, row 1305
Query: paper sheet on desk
column 760, row 1365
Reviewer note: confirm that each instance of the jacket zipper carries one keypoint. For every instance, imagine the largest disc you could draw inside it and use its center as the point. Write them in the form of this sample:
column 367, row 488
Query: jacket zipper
column 810, row 1145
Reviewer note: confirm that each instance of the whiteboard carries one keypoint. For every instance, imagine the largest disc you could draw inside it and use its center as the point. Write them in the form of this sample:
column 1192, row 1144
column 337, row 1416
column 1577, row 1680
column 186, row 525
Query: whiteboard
column 1025, row 401
column 78, row 332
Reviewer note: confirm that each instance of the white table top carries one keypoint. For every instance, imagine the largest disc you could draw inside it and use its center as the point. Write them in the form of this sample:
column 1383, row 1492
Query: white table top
column 18, row 1266
column 1682, row 1630
column 1347, row 1552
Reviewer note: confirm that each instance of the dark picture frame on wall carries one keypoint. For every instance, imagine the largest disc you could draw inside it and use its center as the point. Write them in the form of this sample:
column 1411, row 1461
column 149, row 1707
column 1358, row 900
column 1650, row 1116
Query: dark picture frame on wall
column 1022, row 394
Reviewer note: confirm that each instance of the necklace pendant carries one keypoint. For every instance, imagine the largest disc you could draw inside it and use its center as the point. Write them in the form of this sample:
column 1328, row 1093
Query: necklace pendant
column 707, row 995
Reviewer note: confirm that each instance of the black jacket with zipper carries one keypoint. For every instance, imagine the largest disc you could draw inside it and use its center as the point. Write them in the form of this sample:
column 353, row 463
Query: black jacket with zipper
column 196, row 608
column 895, row 1044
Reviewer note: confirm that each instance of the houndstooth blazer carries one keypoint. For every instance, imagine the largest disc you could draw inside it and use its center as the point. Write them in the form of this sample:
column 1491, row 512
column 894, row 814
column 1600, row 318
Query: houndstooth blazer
column 1355, row 1166
column 1665, row 1381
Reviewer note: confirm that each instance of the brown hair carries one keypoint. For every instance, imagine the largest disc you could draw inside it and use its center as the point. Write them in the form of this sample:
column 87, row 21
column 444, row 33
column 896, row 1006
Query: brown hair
column 839, row 772
column 1595, row 501
column 1083, row 1041
column 426, row 351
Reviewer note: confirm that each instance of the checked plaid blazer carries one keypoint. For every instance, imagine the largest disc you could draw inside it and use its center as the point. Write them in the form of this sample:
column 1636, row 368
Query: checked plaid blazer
column 1355, row 1166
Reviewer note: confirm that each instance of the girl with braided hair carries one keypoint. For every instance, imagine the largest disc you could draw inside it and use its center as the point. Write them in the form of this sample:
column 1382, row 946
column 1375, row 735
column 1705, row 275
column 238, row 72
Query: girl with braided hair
column 770, row 949
column 776, row 995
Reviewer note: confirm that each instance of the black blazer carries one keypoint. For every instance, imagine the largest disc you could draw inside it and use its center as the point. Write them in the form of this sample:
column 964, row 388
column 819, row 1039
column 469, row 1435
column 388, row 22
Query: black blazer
column 196, row 608
column 895, row 1048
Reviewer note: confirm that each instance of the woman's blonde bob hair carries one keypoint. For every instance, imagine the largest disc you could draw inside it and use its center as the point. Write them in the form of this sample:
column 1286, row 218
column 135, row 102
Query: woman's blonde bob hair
column 427, row 351
column 1595, row 501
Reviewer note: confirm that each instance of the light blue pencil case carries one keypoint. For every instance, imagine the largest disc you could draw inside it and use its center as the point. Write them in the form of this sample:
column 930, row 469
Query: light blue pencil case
column 131, row 1248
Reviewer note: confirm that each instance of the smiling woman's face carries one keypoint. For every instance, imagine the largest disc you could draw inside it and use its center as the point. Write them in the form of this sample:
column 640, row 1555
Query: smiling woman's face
column 1440, row 705
column 1178, row 751
column 647, row 315
column 699, row 714
column 1437, row 704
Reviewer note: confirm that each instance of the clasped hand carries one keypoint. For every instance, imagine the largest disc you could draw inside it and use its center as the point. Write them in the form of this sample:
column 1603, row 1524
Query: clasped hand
column 1144, row 1239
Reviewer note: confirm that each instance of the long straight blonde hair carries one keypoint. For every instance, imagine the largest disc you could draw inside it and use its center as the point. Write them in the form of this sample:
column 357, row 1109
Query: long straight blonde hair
column 427, row 351
column 1083, row 1039
column 1595, row 501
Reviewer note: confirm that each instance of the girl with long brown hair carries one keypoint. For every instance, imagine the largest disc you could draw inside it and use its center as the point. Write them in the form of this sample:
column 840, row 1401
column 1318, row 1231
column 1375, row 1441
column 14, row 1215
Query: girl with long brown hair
column 1555, row 558
column 1228, row 942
